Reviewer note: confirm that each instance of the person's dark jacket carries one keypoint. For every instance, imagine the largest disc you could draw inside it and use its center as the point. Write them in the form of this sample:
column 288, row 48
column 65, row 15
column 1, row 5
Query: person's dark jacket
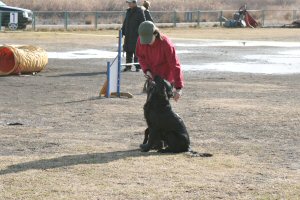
column 148, row 15
column 134, row 17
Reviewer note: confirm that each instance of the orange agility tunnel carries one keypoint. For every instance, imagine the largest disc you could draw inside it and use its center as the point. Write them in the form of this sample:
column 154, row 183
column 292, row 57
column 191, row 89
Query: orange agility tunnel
column 22, row 59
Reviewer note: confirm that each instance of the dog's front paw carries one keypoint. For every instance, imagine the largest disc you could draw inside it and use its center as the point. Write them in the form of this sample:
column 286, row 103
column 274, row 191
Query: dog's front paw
column 144, row 148
column 158, row 145
column 166, row 150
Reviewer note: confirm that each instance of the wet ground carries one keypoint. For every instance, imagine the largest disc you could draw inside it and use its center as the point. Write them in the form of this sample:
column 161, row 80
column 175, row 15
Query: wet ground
column 267, row 57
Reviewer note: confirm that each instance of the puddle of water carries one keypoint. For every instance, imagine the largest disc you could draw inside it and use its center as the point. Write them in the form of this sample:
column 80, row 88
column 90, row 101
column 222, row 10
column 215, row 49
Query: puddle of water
column 275, row 59
column 237, row 43
column 84, row 54
column 186, row 51
column 285, row 62
column 244, row 67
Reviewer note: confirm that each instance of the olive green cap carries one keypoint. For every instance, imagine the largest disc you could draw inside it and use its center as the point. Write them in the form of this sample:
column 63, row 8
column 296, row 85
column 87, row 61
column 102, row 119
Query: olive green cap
column 146, row 30
column 131, row 1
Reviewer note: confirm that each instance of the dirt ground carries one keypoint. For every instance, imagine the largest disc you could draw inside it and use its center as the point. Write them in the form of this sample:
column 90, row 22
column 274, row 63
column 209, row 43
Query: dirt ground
column 70, row 144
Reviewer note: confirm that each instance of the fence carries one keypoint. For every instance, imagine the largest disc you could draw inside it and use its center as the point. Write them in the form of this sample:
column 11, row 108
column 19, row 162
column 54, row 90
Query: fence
column 43, row 20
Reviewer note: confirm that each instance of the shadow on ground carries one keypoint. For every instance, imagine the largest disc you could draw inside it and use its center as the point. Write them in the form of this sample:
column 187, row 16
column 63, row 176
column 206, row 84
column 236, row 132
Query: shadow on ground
column 76, row 101
column 71, row 160
column 78, row 74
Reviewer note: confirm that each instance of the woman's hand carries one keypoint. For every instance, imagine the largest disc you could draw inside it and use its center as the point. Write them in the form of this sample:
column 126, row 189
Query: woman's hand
column 149, row 75
column 177, row 94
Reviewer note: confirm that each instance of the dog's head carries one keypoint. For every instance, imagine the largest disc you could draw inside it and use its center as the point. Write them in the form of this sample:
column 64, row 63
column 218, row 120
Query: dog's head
column 159, row 88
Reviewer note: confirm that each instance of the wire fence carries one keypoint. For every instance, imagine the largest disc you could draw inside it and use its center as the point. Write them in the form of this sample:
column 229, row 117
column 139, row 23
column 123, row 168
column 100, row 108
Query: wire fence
column 44, row 20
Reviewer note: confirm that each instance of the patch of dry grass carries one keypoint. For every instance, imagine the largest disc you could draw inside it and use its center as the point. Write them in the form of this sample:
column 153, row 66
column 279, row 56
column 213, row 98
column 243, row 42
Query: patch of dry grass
column 130, row 175
column 277, row 34
column 272, row 34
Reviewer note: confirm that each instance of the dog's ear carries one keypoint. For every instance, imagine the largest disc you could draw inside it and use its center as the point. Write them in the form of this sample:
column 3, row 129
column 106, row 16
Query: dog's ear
column 157, row 79
column 169, row 88
column 164, row 84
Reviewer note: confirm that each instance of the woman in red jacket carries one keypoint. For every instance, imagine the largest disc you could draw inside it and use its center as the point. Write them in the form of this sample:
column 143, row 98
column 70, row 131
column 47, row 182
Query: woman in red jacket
column 157, row 56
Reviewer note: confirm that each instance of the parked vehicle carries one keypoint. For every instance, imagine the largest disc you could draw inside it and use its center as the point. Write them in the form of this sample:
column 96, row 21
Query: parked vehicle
column 24, row 16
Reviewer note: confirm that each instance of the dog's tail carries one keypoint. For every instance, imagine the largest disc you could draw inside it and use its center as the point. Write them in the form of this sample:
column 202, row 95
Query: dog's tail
column 192, row 153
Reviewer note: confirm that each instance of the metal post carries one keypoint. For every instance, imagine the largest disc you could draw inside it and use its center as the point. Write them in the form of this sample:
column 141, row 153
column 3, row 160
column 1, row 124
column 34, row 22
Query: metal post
column 96, row 21
column 263, row 18
column 294, row 15
column 119, row 64
column 108, row 80
column 198, row 18
column 33, row 21
column 221, row 17
column 174, row 18
column 0, row 21
column 66, row 20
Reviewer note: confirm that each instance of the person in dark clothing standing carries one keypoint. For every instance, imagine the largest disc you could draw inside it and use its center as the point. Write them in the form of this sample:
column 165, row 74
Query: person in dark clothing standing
column 148, row 16
column 134, row 17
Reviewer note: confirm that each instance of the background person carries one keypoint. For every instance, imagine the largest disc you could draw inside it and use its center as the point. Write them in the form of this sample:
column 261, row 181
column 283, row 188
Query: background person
column 134, row 17
column 157, row 56
column 148, row 16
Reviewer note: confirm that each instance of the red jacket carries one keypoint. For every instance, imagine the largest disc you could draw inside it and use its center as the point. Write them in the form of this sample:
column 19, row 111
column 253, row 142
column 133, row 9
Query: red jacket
column 161, row 59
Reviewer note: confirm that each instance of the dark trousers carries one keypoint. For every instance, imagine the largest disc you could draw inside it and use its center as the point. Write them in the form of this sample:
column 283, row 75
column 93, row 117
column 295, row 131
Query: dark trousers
column 129, row 56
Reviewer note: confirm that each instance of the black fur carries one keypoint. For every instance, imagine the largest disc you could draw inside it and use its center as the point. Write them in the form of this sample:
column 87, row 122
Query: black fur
column 163, row 123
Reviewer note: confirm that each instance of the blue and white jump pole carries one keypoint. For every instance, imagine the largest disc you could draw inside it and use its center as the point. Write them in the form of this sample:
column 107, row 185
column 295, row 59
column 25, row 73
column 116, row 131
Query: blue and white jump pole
column 113, row 87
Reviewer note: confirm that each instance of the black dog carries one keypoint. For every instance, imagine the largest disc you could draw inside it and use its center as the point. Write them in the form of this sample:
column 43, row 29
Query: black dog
column 164, row 125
